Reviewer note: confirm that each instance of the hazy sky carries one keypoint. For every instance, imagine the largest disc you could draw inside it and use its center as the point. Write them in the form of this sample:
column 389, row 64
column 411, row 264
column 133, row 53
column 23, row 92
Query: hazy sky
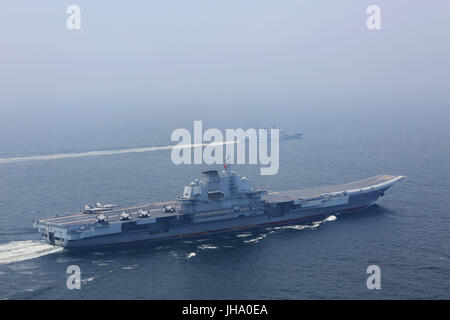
column 194, row 58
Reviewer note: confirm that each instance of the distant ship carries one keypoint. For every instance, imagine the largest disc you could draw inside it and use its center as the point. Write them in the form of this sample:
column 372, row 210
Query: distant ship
column 218, row 202
column 283, row 135
column 287, row 136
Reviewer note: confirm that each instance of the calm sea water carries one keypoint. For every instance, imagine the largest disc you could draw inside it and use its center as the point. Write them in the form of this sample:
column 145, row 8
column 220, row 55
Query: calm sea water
column 406, row 233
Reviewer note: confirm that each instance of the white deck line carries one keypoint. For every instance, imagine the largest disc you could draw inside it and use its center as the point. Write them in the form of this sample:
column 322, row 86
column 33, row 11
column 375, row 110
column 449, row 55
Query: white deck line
column 333, row 189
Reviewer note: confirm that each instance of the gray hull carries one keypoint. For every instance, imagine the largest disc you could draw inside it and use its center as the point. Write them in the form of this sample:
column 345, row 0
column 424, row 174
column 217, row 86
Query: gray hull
column 217, row 203
column 255, row 220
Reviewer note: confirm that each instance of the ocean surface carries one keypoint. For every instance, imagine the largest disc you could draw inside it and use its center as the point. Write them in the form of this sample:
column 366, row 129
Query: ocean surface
column 406, row 233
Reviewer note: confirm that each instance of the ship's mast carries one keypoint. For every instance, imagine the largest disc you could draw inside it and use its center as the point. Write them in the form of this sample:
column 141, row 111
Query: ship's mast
column 227, row 167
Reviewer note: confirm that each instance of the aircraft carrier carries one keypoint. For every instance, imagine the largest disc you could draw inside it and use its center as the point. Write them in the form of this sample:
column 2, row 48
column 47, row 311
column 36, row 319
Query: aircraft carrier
column 220, row 201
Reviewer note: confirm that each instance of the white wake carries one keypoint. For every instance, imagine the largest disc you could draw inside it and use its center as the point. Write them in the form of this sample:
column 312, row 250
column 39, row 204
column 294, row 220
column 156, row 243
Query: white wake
column 17, row 251
column 313, row 226
column 190, row 255
column 109, row 152
column 330, row 218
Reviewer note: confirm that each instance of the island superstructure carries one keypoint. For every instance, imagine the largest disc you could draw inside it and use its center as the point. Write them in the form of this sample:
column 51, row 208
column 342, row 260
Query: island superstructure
column 218, row 202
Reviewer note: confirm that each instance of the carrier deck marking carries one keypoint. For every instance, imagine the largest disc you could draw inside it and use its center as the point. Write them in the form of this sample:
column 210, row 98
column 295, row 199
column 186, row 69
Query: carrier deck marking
column 281, row 196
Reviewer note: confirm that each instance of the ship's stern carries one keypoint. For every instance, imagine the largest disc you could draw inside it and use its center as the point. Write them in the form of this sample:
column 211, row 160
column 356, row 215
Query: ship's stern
column 52, row 234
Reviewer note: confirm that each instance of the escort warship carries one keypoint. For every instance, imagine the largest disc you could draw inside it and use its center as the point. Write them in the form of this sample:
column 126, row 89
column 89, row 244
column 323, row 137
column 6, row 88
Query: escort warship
column 218, row 202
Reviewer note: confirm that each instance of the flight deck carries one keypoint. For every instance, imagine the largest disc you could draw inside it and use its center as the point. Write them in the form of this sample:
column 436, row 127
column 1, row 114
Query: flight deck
column 308, row 193
column 157, row 210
